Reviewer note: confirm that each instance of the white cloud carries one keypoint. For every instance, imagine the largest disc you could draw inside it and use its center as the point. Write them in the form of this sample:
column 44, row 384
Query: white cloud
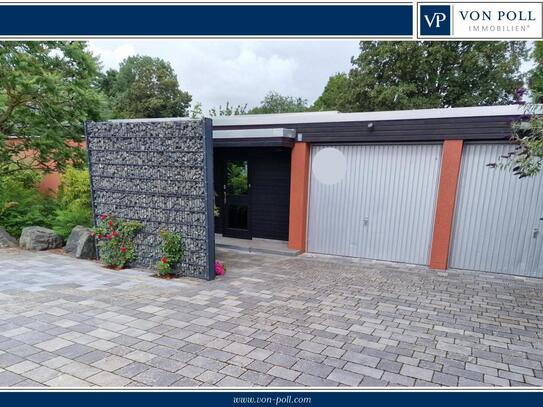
column 112, row 57
column 240, row 71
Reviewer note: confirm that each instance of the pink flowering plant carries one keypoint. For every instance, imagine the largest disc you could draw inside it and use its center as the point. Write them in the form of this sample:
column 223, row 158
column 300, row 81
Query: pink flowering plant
column 220, row 269
column 172, row 253
column 116, row 240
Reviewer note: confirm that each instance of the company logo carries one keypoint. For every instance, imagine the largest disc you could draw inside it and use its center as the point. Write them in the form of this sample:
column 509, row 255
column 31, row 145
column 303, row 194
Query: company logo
column 435, row 20
column 471, row 20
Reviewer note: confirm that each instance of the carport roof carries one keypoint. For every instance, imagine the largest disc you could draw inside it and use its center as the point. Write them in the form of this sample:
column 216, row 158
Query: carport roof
column 334, row 116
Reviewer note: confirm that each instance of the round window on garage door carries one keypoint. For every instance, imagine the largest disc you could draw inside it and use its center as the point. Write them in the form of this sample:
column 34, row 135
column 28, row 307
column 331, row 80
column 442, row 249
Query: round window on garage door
column 329, row 166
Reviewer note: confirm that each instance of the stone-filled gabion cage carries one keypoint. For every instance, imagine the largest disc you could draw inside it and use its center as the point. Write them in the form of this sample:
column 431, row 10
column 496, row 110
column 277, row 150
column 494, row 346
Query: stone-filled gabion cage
column 160, row 173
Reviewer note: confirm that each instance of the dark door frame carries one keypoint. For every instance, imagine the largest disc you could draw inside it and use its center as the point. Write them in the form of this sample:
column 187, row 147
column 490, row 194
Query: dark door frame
column 240, row 200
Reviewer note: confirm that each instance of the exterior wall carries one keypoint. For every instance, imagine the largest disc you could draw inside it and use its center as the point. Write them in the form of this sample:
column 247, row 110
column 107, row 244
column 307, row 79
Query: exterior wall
column 50, row 183
column 157, row 173
column 451, row 131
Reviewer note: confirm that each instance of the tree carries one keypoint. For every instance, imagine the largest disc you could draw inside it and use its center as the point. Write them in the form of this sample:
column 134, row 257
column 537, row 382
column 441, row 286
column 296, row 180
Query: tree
column 146, row 87
column 536, row 79
column 431, row 74
column 275, row 103
column 107, row 82
column 228, row 110
column 196, row 112
column 334, row 92
column 47, row 91
column 526, row 158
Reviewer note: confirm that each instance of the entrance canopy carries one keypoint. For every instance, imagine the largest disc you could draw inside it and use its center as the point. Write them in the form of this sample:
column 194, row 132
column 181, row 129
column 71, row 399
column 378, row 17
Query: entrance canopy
column 272, row 137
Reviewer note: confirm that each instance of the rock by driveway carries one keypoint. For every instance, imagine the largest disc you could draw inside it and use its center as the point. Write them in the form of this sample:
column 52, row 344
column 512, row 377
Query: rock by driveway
column 271, row 321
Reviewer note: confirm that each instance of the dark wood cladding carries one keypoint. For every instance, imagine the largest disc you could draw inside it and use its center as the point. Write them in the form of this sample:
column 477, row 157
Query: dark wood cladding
column 269, row 176
column 414, row 130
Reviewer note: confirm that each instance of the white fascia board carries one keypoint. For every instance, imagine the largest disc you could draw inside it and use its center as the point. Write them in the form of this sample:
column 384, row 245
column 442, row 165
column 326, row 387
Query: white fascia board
column 333, row 116
column 254, row 133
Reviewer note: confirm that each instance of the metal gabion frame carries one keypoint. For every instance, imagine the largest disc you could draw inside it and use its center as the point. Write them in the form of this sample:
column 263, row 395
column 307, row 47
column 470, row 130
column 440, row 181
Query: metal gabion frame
column 160, row 173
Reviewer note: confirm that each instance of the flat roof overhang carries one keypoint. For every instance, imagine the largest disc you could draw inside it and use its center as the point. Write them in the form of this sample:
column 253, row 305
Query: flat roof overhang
column 275, row 137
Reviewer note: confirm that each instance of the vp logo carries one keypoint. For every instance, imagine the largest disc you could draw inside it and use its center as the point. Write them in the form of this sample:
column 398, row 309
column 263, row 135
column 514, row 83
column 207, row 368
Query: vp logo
column 437, row 19
column 434, row 20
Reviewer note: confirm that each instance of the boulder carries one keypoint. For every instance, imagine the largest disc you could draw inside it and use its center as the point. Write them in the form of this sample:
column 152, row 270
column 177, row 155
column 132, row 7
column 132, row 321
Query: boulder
column 6, row 240
column 38, row 238
column 80, row 244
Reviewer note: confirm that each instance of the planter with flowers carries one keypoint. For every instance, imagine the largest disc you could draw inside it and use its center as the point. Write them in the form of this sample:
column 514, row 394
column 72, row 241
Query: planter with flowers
column 172, row 253
column 116, row 240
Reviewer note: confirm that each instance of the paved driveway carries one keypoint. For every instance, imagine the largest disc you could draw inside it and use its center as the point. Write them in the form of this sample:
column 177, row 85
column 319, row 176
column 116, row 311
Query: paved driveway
column 271, row 321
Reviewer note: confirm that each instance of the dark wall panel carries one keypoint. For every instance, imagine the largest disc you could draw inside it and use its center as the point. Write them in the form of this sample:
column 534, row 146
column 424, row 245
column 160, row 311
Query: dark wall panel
column 466, row 128
column 269, row 176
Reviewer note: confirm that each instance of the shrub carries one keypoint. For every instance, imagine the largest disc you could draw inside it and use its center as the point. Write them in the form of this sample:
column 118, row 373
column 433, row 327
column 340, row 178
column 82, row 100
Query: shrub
column 66, row 219
column 74, row 201
column 21, row 204
column 75, row 187
column 172, row 252
column 116, row 240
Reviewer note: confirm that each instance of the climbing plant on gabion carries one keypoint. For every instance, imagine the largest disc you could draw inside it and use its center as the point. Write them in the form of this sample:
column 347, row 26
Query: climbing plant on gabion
column 116, row 240
column 172, row 252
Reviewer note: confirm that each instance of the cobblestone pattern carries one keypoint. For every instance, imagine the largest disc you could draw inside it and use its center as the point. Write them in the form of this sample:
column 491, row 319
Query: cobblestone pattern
column 270, row 321
column 155, row 172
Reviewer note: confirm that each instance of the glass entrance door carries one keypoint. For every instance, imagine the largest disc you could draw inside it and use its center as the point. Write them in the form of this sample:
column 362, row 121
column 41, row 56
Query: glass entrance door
column 236, row 199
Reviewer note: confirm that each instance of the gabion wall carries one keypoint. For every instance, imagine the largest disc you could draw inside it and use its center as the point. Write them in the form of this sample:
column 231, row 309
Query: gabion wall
column 158, row 172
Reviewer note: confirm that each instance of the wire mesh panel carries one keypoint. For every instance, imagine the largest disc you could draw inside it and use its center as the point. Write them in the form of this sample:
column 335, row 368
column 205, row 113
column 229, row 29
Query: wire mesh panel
column 158, row 172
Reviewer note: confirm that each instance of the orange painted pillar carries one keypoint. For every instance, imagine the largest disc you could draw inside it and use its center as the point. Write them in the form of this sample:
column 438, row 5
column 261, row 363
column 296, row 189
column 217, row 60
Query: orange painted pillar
column 446, row 199
column 299, row 187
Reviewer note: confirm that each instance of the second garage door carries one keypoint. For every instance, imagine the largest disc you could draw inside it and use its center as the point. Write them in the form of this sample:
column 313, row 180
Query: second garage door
column 497, row 225
column 373, row 201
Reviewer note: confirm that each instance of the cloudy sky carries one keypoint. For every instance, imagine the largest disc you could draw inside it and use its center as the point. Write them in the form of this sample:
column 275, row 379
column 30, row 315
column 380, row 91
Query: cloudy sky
column 240, row 71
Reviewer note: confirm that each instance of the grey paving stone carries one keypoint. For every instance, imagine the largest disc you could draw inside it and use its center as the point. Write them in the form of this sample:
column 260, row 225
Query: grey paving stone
column 408, row 327
column 315, row 381
column 372, row 382
column 111, row 363
column 345, row 377
column 232, row 370
column 190, row 371
column 131, row 370
column 210, row 377
column 42, row 374
column 284, row 373
column 397, row 379
column 66, row 380
column 79, row 370
column 315, row 369
column 107, row 379
column 417, row 372
column 157, row 377
column 239, row 348
column 169, row 365
column 257, row 378
column 10, row 379
column 364, row 370
column 280, row 359
column 445, row 379
column 229, row 381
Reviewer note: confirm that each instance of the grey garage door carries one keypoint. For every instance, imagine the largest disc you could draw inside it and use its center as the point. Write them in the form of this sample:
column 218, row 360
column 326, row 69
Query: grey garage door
column 373, row 201
column 497, row 226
